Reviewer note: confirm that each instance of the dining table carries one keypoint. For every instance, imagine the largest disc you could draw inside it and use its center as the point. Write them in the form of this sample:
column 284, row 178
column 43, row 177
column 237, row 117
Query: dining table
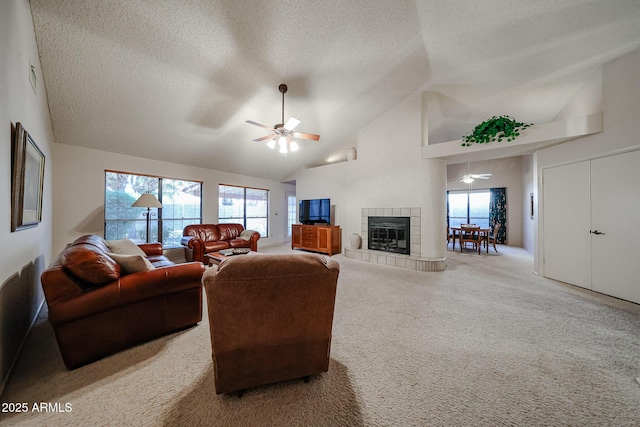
column 482, row 233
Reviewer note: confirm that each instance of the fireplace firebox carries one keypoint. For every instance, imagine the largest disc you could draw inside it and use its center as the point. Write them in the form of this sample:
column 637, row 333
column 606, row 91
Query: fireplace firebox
column 389, row 234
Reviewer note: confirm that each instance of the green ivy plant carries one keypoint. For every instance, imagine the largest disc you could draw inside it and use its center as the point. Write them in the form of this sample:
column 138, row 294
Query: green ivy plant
column 495, row 129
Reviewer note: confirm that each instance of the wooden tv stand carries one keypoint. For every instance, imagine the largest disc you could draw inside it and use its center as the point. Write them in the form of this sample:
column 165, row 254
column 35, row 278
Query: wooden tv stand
column 318, row 238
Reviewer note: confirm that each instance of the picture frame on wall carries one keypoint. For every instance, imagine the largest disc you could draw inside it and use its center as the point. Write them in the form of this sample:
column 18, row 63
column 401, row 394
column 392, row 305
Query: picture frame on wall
column 27, row 180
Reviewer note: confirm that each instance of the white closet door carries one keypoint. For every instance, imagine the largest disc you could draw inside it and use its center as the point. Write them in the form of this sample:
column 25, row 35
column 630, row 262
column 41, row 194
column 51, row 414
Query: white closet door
column 566, row 224
column 615, row 212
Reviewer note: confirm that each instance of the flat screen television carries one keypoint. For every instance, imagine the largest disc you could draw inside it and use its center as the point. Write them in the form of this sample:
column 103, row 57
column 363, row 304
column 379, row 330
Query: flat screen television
column 314, row 211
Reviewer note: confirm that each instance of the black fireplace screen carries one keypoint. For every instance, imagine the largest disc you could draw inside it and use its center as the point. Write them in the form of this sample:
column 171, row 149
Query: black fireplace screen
column 389, row 234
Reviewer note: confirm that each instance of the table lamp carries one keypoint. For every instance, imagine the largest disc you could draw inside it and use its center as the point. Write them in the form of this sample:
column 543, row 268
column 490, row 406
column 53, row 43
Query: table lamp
column 147, row 200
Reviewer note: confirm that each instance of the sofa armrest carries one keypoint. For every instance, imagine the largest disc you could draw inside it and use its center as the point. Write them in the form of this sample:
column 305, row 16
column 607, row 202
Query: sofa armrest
column 252, row 236
column 127, row 290
column 151, row 248
column 196, row 246
column 255, row 236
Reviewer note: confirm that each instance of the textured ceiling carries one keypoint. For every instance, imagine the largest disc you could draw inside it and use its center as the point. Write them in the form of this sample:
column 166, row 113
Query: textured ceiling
column 175, row 81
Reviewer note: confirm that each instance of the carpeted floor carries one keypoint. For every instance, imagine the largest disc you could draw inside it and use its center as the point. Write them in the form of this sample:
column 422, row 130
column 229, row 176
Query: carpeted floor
column 485, row 343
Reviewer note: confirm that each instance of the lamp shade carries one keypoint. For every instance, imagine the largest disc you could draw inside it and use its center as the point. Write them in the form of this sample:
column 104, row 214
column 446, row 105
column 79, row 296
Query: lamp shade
column 147, row 200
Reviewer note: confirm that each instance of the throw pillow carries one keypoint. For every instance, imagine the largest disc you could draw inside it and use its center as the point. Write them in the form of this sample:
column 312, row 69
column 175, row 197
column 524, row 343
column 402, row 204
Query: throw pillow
column 90, row 265
column 125, row 247
column 132, row 263
column 246, row 234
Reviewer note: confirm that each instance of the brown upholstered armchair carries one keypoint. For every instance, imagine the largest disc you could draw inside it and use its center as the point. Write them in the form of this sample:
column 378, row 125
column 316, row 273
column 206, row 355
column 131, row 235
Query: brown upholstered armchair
column 270, row 318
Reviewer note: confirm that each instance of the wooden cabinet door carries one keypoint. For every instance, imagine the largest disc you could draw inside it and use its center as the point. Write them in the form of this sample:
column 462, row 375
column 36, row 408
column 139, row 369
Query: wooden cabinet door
column 324, row 239
column 296, row 235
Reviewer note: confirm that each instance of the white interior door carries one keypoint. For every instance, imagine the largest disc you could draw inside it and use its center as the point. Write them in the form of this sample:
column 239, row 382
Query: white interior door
column 615, row 196
column 566, row 224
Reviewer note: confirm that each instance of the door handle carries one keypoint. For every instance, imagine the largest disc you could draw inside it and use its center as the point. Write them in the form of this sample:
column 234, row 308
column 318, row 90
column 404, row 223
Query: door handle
column 596, row 232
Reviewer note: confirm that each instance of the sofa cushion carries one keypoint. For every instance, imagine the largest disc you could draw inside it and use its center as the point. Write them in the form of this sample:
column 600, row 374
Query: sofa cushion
column 125, row 247
column 132, row 263
column 239, row 243
column 229, row 231
column 160, row 261
column 216, row 246
column 204, row 232
column 89, row 264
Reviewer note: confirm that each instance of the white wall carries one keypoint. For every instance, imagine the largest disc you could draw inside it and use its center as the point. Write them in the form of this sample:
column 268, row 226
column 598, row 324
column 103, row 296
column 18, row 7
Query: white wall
column 24, row 254
column 79, row 191
column 389, row 172
column 528, row 188
column 325, row 182
column 620, row 100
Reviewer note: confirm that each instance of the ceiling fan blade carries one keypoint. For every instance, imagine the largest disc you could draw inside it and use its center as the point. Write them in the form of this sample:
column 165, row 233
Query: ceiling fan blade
column 264, row 138
column 251, row 122
column 291, row 123
column 305, row 136
column 480, row 175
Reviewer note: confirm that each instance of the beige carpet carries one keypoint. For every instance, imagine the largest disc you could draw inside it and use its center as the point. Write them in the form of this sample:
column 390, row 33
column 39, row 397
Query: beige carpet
column 485, row 343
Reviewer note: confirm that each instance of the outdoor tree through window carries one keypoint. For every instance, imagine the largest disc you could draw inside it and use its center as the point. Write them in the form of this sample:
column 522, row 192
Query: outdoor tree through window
column 244, row 205
column 181, row 205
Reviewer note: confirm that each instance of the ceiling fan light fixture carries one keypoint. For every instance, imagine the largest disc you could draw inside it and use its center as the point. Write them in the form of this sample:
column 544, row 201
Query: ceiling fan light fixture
column 291, row 123
column 282, row 134
column 467, row 180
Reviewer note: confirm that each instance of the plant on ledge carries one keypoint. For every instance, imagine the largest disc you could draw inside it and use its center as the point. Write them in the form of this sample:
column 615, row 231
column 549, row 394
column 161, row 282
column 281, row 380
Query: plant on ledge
column 494, row 129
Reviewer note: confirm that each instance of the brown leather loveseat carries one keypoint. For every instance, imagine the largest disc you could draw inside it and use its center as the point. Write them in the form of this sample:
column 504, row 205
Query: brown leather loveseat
column 270, row 318
column 98, row 306
column 201, row 239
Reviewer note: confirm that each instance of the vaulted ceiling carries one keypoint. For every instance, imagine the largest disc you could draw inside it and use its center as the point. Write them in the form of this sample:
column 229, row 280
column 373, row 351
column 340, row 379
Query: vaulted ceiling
column 175, row 81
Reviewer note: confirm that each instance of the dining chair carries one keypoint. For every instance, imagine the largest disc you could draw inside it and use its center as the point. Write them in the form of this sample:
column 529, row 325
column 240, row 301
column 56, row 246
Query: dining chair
column 470, row 235
column 492, row 237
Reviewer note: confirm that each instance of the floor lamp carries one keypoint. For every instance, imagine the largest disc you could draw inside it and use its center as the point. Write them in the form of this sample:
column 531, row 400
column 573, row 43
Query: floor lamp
column 147, row 200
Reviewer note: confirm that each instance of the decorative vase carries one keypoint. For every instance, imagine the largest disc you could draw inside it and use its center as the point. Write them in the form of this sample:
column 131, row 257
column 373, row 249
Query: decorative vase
column 352, row 154
column 356, row 241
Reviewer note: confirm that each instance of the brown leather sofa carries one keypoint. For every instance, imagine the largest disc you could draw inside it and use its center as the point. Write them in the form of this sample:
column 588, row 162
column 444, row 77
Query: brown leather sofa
column 270, row 318
column 98, row 306
column 201, row 239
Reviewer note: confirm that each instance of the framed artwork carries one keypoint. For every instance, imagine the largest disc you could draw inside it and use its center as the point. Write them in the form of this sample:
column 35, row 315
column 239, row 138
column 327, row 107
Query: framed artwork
column 27, row 179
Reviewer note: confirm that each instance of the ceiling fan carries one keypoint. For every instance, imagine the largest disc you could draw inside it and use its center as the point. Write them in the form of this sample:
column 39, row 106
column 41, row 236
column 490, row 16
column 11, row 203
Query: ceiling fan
column 469, row 177
column 282, row 133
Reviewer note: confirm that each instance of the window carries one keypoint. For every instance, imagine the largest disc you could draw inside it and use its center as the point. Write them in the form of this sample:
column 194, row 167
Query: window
column 244, row 205
column 291, row 211
column 469, row 207
column 181, row 206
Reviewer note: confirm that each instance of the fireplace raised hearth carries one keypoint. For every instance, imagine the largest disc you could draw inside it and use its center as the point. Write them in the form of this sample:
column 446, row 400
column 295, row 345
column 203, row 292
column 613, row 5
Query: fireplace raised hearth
column 389, row 234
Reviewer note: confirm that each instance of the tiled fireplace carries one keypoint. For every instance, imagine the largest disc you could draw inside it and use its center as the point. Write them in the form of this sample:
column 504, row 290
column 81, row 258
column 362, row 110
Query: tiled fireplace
column 389, row 255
